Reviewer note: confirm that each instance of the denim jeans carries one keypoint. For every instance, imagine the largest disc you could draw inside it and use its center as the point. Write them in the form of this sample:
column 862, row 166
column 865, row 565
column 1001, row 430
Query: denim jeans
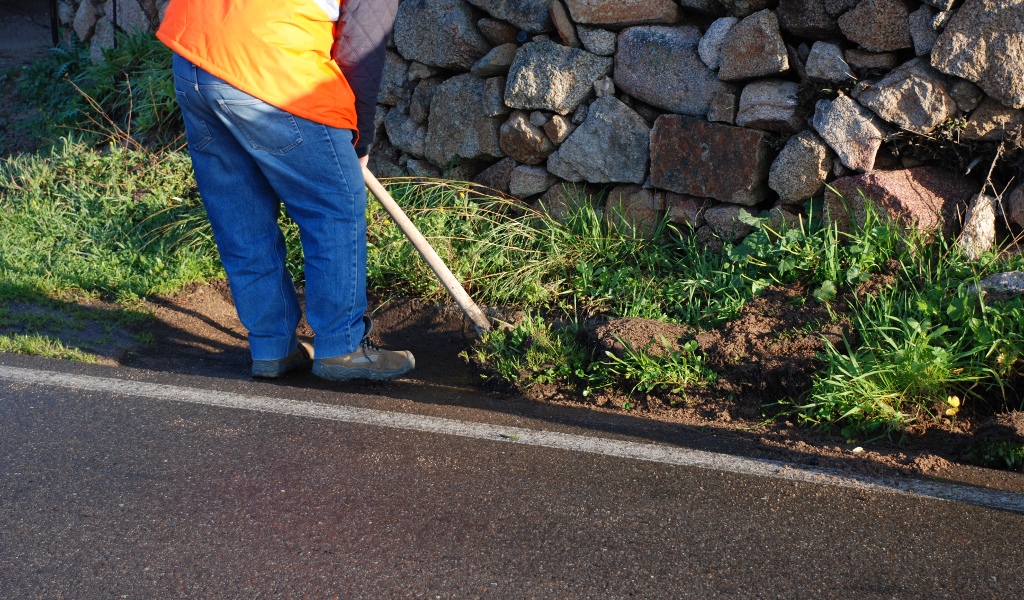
column 250, row 157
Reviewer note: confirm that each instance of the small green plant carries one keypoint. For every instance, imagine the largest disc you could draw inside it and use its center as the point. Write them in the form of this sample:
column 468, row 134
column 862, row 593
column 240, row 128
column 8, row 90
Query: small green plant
column 1005, row 454
column 129, row 95
column 534, row 352
column 665, row 371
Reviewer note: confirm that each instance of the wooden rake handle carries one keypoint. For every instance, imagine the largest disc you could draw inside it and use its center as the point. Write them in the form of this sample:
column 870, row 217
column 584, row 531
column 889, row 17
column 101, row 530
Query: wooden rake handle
column 444, row 274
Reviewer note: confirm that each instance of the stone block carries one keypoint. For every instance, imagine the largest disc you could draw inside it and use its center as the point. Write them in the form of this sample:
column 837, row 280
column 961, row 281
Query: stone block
column 800, row 170
column 771, row 105
column 439, row 33
column 852, row 131
column 915, row 97
column 549, row 76
column 928, row 198
column 612, row 145
column 640, row 69
column 754, row 48
column 878, row 25
column 527, row 181
column 984, row 43
column 687, row 157
column 623, row 12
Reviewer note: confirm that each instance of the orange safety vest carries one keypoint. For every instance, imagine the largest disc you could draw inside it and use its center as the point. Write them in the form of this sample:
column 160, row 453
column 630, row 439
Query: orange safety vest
column 276, row 50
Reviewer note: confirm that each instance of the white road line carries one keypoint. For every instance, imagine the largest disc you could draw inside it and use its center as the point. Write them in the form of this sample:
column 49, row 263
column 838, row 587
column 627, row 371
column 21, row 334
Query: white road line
column 651, row 452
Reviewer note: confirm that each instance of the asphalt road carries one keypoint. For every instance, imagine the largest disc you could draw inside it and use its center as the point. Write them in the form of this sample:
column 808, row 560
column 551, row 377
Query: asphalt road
column 107, row 493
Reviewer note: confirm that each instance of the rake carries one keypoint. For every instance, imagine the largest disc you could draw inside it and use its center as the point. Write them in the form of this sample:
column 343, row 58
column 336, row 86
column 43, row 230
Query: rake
column 444, row 274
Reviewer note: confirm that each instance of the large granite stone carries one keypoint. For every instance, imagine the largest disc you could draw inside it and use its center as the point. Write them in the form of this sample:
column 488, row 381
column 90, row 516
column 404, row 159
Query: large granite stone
column 439, row 33
column 640, row 69
column 688, row 155
column 772, row 105
column 825, row 62
column 528, row 15
column 458, row 126
column 801, row 168
column 612, row 145
column 527, row 180
column 851, row 130
column 878, row 25
column 978, row 235
column 992, row 121
column 927, row 198
column 549, row 76
column 405, row 133
column 914, row 96
column 984, row 43
column 753, row 48
column 524, row 141
column 623, row 12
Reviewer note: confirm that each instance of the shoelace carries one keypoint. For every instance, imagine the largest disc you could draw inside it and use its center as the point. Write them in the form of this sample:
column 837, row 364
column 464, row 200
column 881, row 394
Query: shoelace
column 366, row 344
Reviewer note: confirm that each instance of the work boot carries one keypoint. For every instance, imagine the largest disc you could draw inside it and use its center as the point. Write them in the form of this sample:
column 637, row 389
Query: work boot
column 366, row 362
column 301, row 359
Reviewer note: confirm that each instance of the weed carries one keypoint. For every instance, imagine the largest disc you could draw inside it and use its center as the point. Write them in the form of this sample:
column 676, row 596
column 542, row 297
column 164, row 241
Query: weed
column 1005, row 454
column 668, row 371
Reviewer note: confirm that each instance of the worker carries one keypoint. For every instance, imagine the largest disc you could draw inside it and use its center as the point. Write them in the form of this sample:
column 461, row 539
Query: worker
column 278, row 98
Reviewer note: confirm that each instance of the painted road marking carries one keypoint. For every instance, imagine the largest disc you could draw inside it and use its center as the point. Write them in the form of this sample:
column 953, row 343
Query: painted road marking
column 651, row 452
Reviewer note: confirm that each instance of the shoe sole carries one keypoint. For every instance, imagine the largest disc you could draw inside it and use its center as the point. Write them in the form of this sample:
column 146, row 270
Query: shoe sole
column 339, row 373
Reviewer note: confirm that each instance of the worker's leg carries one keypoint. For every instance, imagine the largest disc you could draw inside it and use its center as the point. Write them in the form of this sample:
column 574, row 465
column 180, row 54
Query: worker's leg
column 314, row 170
column 243, row 209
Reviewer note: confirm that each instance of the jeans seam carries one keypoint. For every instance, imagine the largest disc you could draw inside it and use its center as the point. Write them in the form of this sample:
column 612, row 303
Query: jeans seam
column 352, row 250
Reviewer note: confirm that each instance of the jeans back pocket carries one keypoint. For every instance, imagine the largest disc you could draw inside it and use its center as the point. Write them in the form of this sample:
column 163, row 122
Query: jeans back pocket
column 266, row 127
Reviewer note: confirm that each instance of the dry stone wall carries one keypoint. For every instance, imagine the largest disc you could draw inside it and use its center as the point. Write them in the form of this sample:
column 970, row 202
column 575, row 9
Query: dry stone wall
column 699, row 109
column 707, row 109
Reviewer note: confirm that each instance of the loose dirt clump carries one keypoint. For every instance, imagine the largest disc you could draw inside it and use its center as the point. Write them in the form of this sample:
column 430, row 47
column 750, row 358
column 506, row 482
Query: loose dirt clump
column 642, row 335
column 770, row 352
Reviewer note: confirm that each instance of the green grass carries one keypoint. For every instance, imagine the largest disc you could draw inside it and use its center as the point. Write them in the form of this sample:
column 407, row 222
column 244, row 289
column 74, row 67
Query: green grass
column 87, row 221
column 128, row 96
column 40, row 345
column 922, row 341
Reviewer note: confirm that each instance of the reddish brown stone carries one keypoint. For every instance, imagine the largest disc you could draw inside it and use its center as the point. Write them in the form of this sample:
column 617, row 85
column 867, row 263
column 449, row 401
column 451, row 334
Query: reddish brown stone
column 564, row 25
column 927, row 198
column 709, row 160
column 686, row 210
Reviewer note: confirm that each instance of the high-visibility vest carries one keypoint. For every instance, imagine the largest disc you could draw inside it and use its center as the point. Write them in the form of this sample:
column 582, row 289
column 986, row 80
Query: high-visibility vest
column 276, row 50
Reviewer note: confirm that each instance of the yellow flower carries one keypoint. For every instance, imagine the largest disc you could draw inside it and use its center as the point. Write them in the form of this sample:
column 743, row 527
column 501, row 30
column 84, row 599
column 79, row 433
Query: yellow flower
column 954, row 405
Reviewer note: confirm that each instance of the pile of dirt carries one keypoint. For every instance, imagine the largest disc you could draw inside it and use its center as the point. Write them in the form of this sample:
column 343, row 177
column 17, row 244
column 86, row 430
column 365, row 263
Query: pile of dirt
column 770, row 351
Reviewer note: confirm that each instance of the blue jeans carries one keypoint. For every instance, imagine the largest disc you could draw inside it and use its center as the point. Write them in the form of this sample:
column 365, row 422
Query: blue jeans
column 248, row 158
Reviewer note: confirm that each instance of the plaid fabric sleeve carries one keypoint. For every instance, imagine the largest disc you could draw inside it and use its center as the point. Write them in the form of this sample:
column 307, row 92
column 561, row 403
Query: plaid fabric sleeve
column 361, row 51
